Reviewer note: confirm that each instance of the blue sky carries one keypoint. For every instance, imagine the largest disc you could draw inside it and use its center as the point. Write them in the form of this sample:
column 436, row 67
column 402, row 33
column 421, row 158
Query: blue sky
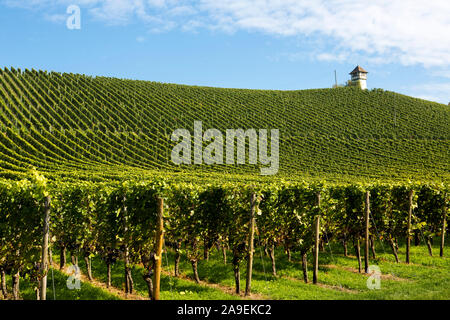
column 264, row 44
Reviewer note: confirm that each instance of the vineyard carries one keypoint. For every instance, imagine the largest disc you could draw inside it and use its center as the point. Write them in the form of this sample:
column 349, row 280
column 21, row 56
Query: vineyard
column 74, row 126
column 85, row 173
column 118, row 223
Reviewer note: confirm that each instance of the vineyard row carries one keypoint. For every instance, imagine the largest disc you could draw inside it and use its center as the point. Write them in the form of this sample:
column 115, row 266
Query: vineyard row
column 122, row 221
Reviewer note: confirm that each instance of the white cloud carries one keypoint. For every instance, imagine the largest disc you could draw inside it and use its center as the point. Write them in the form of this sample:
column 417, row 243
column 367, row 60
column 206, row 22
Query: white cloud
column 181, row 11
column 141, row 39
column 56, row 18
column 341, row 57
column 118, row 11
column 410, row 32
column 439, row 92
column 440, row 73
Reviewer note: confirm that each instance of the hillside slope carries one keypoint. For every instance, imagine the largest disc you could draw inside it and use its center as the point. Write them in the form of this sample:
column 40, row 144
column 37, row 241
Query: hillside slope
column 68, row 124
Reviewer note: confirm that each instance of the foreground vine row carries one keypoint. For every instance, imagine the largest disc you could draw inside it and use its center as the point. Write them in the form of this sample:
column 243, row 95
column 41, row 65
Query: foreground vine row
column 118, row 221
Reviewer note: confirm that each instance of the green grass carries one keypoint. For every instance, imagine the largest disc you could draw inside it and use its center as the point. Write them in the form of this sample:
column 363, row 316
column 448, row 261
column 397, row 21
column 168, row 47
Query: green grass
column 171, row 288
column 425, row 278
column 61, row 292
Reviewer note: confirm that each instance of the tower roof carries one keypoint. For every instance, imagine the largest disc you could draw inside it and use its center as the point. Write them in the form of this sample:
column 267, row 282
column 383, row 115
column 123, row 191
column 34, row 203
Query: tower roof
column 358, row 69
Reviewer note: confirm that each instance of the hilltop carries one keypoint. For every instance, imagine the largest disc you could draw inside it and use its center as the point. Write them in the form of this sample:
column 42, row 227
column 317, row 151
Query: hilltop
column 80, row 126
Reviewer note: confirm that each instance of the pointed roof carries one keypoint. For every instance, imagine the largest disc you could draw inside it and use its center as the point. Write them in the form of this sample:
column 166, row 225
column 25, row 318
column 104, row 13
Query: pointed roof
column 358, row 69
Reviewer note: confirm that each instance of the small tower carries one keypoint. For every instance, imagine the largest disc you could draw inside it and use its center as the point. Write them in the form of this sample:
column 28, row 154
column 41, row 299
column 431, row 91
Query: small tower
column 359, row 77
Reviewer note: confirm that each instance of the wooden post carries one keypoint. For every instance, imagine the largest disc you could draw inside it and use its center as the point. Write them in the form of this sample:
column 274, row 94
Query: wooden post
column 366, row 249
column 316, row 245
column 444, row 222
column 358, row 253
column 158, row 249
column 127, row 253
column 44, row 261
column 408, row 232
column 248, row 284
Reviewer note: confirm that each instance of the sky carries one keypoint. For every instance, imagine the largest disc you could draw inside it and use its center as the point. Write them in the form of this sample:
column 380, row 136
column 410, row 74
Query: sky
column 258, row 44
